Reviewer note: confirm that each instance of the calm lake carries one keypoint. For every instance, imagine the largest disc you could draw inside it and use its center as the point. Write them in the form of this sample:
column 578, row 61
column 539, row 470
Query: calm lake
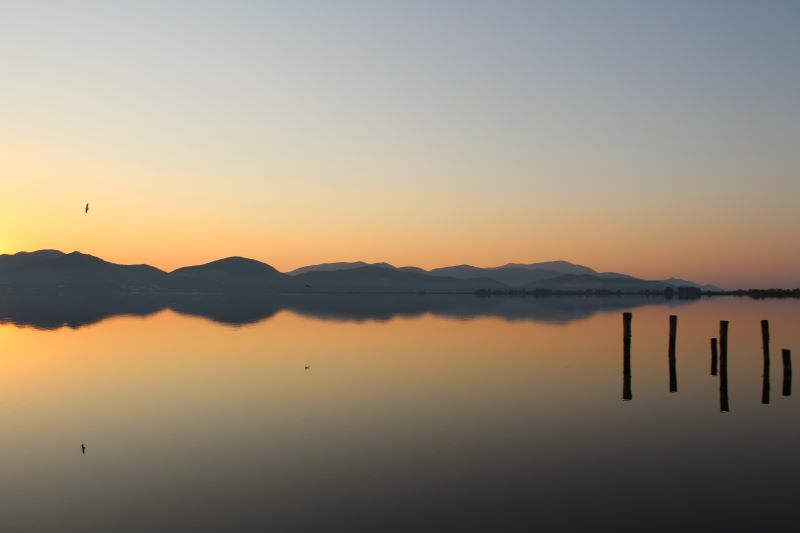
column 417, row 413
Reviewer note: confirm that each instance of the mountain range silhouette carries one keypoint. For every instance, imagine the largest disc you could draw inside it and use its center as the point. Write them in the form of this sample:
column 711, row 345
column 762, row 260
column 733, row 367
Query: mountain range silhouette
column 55, row 270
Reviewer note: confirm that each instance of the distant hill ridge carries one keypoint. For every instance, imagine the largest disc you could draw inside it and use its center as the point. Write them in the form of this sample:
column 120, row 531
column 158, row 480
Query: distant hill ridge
column 56, row 270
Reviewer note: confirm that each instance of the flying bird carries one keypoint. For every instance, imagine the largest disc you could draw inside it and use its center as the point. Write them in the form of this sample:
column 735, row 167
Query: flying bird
column 86, row 210
column 83, row 448
column 308, row 367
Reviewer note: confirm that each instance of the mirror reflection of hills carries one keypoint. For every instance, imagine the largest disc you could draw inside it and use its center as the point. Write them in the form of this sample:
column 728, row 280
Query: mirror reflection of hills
column 51, row 311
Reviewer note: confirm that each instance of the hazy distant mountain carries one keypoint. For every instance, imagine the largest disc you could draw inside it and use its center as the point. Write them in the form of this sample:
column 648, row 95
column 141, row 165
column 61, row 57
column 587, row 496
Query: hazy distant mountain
column 516, row 275
column 513, row 276
column 511, row 273
column 459, row 271
column 614, row 275
column 51, row 269
column 28, row 259
column 563, row 267
column 236, row 274
column 330, row 267
column 380, row 279
column 412, row 269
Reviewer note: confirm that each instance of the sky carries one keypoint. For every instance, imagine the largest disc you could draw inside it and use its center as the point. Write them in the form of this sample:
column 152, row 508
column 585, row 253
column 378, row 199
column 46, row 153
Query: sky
column 652, row 138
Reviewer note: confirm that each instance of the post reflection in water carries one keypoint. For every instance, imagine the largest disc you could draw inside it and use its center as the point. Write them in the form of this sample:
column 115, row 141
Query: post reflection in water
column 714, row 356
column 765, row 349
column 627, row 393
column 787, row 372
column 46, row 311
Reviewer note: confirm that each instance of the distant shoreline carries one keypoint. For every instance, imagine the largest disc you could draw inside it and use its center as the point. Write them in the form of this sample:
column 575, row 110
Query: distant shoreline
column 686, row 293
column 682, row 294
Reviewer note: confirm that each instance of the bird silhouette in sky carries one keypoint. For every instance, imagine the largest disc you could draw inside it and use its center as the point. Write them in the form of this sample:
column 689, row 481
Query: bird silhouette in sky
column 308, row 367
column 86, row 210
column 83, row 448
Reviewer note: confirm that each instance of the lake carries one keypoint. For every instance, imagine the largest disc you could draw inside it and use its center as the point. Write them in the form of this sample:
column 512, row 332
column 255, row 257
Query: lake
column 417, row 413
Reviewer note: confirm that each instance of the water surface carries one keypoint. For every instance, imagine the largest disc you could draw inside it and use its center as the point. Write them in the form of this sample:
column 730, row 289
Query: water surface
column 414, row 415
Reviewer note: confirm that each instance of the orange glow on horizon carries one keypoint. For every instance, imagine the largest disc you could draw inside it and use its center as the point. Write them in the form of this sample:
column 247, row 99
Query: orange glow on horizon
column 180, row 217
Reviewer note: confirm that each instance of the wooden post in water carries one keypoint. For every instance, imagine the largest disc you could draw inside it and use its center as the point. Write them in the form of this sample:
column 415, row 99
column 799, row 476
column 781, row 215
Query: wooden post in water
column 724, row 405
column 787, row 373
column 627, row 393
column 673, row 371
column 714, row 356
column 627, row 319
column 765, row 348
column 723, row 338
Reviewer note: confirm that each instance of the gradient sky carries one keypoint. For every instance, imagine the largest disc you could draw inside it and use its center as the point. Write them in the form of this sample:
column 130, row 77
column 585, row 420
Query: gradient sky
column 652, row 138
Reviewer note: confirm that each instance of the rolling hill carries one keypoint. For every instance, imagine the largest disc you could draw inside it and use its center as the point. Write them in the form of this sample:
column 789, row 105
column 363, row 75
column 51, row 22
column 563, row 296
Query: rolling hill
column 51, row 269
column 232, row 274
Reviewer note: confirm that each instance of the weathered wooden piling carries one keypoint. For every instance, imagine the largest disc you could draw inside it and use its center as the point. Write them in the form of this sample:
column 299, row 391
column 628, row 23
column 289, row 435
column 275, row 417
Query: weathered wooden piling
column 627, row 319
column 723, row 339
column 673, row 329
column 787, row 372
column 765, row 349
column 714, row 356
column 627, row 393
column 673, row 370
column 724, row 404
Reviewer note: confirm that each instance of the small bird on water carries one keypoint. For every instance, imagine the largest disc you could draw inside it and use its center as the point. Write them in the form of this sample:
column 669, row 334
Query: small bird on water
column 86, row 210
column 83, row 448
